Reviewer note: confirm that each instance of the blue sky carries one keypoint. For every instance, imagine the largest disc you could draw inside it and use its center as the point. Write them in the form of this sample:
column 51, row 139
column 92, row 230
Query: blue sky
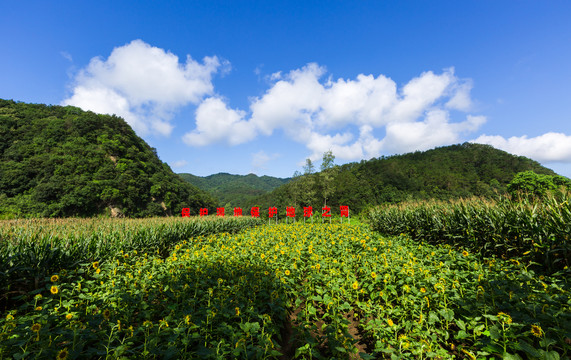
column 259, row 86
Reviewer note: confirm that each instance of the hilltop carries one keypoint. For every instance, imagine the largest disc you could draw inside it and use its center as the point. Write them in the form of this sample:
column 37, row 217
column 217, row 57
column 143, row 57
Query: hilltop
column 235, row 190
column 60, row 161
column 455, row 171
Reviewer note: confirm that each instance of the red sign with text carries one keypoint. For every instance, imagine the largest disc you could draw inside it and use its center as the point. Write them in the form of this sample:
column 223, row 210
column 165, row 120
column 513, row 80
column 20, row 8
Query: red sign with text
column 272, row 211
column 255, row 212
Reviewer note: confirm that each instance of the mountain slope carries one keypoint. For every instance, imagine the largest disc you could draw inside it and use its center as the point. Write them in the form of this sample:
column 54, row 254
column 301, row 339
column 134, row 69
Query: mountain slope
column 235, row 190
column 446, row 172
column 61, row 161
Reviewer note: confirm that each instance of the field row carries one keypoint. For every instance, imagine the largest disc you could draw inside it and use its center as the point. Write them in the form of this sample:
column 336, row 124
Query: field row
column 32, row 249
column 531, row 229
column 311, row 291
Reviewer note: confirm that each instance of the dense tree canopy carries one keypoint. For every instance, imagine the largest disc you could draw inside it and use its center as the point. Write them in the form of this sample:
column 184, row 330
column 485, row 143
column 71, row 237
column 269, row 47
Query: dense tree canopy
column 61, row 161
column 235, row 190
column 529, row 183
column 447, row 172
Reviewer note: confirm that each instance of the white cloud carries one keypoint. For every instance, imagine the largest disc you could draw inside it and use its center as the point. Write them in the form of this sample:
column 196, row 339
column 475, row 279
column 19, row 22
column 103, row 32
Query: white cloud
column 549, row 147
column 146, row 85
column 323, row 114
column 143, row 84
column 366, row 145
column 434, row 130
column 419, row 94
column 215, row 122
column 289, row 102
column 460, row 99
column 366, row 100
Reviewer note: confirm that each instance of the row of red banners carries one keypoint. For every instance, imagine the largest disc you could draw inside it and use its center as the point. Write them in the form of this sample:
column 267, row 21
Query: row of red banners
column 273, row 211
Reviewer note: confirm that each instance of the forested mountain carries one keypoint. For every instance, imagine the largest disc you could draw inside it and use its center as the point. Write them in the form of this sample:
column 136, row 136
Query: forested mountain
column 235, row 190
column 61, row 161
column 446, row 172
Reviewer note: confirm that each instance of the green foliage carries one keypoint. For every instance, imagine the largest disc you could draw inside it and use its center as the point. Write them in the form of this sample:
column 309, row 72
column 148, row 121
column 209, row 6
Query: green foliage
column 61, row 161
column 294, row 291
column 531, row 184
column 32, row 248
column 235, row 190
column 327, row 176
column 537, row 230
column 443, row 173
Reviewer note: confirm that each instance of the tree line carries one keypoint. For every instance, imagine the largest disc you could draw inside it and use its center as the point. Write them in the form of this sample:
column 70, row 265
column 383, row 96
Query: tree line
column 447, row 172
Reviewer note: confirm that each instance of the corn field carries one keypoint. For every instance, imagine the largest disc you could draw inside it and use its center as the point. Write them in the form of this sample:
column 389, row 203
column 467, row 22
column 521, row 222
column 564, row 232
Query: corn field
column 534, row 230
column 32, row 248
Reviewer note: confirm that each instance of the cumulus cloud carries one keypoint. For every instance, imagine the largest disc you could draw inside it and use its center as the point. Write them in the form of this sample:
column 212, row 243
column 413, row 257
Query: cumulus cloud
column 143, row 84
column 147, row 85
column 549, row 147
column 343, row 115
column 216, row 122
column 461, row 98
column 434, row 130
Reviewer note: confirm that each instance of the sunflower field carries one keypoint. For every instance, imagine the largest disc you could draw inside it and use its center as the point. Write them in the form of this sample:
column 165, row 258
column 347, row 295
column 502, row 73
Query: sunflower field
column 311, row 291
column 32, row 248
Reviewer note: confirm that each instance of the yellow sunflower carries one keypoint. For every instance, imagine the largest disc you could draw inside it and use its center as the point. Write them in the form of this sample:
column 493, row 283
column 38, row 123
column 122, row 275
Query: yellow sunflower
column 505, row 318
column 63, row 354
column 537, row 331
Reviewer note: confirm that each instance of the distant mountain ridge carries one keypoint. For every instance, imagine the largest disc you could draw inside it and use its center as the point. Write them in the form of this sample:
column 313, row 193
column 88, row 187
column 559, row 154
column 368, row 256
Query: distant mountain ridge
column 60, row 161
column 235, row 190
column 454, row 171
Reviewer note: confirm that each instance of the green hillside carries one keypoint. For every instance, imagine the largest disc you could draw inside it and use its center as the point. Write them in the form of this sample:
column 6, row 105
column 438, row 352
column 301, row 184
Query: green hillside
column 454, row 171
column 61, row 161
column 235, row 190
